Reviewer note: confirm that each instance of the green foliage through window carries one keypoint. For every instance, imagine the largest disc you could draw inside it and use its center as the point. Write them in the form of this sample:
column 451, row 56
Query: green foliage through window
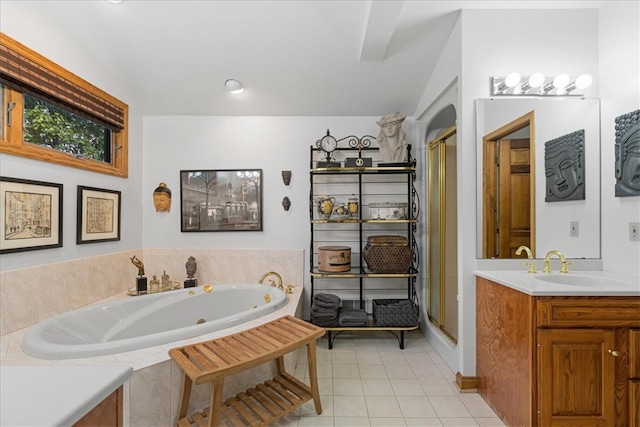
column 53, row 127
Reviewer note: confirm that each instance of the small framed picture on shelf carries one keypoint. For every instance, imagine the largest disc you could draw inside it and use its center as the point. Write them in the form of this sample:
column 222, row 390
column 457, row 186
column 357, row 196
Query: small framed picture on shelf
column 31, row 212
column 98, row 215
column 221, row 200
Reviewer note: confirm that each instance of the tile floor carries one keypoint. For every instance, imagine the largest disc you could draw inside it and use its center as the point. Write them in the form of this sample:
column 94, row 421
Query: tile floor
column 366, row 380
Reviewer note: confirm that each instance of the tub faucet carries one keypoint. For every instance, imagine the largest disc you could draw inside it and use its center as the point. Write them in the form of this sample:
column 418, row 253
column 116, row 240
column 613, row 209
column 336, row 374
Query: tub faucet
column 271, row 281
column 563, row 262
column 530, row 264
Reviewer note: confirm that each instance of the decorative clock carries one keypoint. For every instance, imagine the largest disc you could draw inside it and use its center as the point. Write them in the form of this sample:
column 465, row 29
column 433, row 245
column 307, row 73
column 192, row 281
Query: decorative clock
column 328, row 144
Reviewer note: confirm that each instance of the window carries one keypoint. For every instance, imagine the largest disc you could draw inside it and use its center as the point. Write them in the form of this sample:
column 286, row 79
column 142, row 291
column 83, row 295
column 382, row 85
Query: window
column 52, row 115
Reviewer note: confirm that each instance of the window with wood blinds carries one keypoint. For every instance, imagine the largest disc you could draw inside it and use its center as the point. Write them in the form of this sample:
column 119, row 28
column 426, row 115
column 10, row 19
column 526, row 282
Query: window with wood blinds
column 50, row 114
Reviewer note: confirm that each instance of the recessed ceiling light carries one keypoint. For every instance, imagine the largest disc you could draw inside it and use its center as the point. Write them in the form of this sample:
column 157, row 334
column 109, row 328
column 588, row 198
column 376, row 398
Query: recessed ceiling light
column 234, row 86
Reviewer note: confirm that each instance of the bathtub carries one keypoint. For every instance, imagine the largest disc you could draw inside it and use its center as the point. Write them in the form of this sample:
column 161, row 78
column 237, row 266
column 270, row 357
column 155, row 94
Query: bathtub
column 149, row 320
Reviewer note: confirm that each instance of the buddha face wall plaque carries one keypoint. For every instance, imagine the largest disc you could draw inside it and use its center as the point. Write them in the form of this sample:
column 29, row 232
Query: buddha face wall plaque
column 564, row 167
column 627, row 154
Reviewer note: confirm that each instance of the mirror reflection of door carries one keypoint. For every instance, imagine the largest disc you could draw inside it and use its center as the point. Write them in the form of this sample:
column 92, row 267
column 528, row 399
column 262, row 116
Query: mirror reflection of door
column 508, row 189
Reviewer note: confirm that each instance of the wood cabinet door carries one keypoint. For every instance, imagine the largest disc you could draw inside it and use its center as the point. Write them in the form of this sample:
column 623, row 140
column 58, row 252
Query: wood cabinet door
column 576, row 377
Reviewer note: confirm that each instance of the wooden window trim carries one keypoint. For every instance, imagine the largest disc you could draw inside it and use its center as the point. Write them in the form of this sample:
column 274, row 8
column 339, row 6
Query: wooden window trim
column 11, row 141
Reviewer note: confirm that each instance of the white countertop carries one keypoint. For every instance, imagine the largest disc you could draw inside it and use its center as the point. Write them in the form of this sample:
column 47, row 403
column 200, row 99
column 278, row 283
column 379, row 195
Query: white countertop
column 587, row 283
column 55, row 395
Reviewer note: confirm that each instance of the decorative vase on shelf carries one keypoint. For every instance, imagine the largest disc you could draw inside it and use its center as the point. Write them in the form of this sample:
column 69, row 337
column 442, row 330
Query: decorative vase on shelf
column 325, row 206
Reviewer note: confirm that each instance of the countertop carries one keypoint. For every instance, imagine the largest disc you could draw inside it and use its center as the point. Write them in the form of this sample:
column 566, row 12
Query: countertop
column 55, row 395
column 587, row 283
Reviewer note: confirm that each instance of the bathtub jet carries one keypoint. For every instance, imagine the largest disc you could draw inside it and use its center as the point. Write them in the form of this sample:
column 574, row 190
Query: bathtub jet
column 135, row 323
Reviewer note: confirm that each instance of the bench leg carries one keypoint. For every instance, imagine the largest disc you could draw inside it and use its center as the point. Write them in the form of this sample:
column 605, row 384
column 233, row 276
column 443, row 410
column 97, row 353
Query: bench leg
column 313, row 375
column 184, row 399
column 215, row 404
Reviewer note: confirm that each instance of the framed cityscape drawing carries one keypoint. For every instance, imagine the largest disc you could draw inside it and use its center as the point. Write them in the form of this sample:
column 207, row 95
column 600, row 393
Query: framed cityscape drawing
column 31, row 213
column 98, row 215
column 221, row 200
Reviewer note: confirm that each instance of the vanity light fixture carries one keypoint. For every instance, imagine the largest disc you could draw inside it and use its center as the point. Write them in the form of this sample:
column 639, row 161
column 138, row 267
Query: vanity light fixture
column 115, row 1
column 538, row 84
column 234, row 86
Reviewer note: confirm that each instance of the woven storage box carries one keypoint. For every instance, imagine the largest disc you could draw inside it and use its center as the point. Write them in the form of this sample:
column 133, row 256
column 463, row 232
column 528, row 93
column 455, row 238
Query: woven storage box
column 395, row 312
column 387, row 254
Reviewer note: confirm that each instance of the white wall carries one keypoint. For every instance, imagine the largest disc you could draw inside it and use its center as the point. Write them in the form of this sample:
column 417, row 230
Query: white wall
column 22, row 22
column 273, row 144
column 620, row 92
column 495, row 43
column 434, row 100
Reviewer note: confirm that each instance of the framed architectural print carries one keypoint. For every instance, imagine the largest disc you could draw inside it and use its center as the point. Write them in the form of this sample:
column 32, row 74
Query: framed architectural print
column 98, row 215
column 31, row 213
column 221, row 200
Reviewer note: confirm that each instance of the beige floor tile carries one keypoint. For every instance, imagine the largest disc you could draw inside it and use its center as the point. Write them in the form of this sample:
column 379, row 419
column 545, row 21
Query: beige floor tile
column 437, row 387
column 345, row 370
column 372, row 371
column 458, row 422
column 347, row 387
column 423, row 422
column 387, row 422
column 399, row 371
column 407, row 387
column 416, row 407
column 489, row 422
column 449, row 407
column 351, row 422
column 383, row 406
column 377, row 387
column 349, row 406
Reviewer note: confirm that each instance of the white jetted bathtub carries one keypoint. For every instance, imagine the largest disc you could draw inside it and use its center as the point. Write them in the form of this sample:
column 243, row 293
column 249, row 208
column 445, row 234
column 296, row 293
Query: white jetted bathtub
column 149, row 320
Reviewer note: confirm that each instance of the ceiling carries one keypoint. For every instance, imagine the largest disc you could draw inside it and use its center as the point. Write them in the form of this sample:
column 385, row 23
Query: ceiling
column 296, row 58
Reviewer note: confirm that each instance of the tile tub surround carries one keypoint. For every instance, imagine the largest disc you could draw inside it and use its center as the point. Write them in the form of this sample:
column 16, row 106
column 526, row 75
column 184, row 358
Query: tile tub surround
column 148, row 398
column 30, row 295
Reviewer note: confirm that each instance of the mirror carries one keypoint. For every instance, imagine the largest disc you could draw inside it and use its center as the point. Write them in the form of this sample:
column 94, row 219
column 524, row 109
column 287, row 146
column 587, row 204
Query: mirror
column 571, row 226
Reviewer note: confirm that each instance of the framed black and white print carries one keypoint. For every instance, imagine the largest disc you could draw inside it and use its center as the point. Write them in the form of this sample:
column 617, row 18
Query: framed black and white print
column 31, row 213
column 98, row 215
column 221, row 200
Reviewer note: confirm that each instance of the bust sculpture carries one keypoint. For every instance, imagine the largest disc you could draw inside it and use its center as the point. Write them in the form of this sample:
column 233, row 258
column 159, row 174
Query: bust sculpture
column 392, row 140
column 191, row 266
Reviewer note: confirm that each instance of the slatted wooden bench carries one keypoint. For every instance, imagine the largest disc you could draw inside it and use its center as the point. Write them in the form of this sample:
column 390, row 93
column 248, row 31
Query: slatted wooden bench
column 212, row 361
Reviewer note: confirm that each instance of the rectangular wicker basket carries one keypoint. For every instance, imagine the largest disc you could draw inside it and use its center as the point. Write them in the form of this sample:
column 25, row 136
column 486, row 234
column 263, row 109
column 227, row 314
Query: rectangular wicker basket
column 395, row 312
column 387, row 254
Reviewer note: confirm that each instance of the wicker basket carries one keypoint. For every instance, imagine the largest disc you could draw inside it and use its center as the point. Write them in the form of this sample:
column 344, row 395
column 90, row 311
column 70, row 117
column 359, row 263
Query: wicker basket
column 395, row 312
column 387, row 254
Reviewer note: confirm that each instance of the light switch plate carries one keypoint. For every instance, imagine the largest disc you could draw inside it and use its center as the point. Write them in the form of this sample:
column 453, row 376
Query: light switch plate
column 634, row 231
column 574, row 230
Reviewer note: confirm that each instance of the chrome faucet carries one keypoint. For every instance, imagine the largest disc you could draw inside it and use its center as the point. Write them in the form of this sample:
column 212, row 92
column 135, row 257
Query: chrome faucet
column 563, row 262
column 271, row 281
column 530, row 264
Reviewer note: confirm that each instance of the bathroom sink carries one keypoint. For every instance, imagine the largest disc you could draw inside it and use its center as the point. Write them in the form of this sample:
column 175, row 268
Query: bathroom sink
column 578, row 280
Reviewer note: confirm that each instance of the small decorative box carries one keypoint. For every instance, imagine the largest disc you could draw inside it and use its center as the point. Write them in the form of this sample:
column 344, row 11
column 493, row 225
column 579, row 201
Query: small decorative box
column 387, row 210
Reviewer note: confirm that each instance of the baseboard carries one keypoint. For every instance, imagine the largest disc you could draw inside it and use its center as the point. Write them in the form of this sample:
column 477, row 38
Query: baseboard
column 467, row 384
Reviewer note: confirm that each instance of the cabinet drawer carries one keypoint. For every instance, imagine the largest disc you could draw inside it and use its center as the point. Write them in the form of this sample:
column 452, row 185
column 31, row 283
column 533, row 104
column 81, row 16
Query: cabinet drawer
column 634, row 403
column 634, row 354
column 588, row 311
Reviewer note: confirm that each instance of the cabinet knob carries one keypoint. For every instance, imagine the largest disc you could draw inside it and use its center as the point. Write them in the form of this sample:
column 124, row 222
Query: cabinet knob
column 614, row 353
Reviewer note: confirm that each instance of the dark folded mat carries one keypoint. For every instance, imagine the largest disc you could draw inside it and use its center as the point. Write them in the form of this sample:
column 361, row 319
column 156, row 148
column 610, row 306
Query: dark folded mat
column 353, row 317
column 325, row 323
column 323, row 313
column 326, row 300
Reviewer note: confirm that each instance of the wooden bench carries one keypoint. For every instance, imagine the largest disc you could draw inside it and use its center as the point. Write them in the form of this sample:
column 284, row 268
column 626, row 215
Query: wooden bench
column 212, row 361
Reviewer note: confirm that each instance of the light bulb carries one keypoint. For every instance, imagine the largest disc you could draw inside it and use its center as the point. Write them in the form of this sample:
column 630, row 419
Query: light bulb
column 583, row 81
column 512, row 80
column 561, row 81
column 536, row 79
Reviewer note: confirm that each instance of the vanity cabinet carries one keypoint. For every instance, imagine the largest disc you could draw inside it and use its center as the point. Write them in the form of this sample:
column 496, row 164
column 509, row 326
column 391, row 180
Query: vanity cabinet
column 106, row 413
column 558, row 360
